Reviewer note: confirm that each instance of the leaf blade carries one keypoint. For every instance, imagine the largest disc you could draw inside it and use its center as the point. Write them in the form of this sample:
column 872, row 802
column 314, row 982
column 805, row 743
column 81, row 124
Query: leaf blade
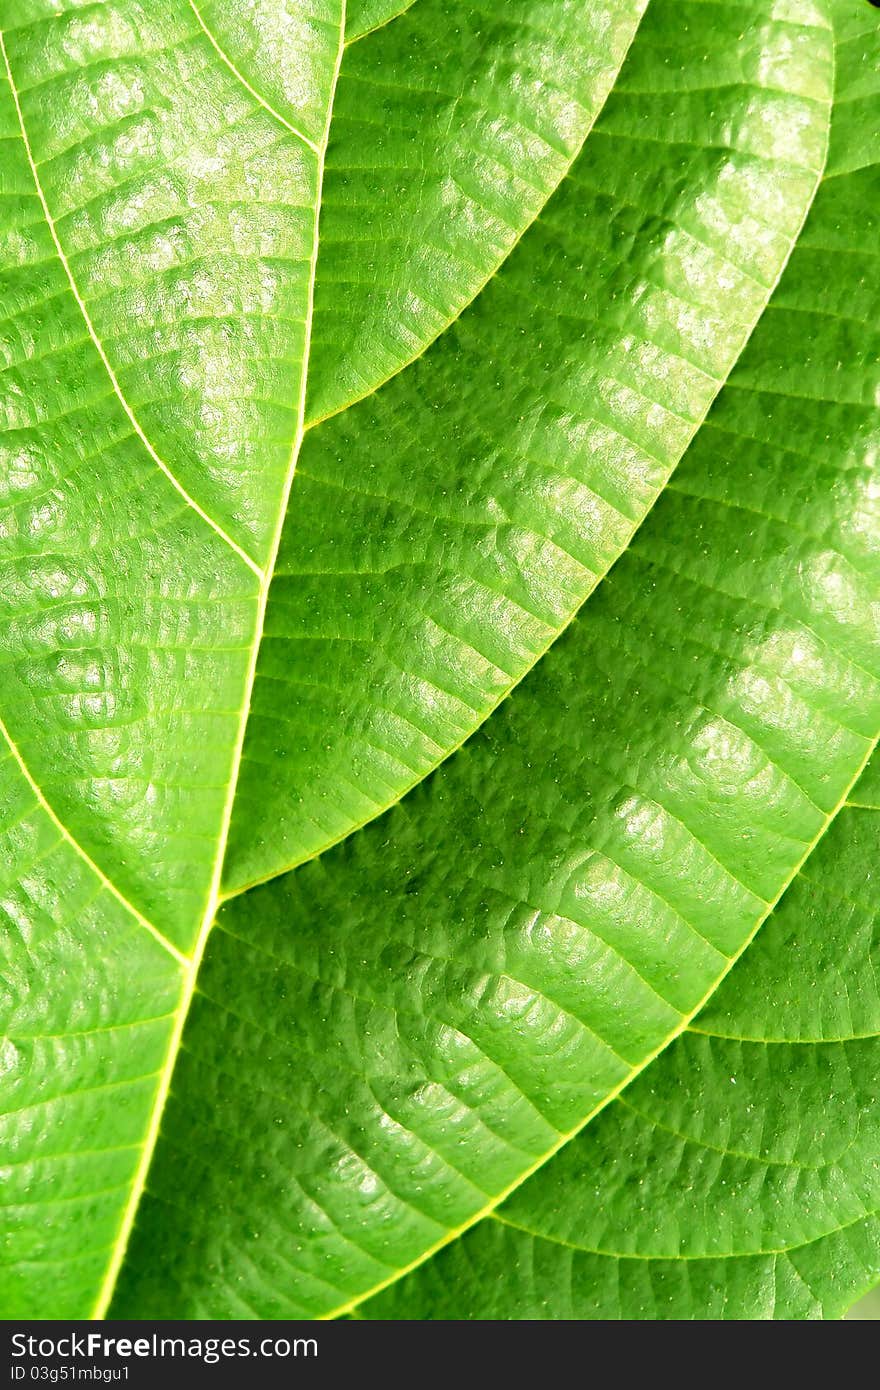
column 426, row 1030
column 737, row 1180
column 459, row 1061
column 421, row 575
column 107, row 653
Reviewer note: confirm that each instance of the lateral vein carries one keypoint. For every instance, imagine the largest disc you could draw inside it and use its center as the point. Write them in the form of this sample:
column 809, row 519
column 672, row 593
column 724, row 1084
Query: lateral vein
column 683, row 1025
column 99, row 347
column 83, row 854
column 383, row 24
column 252, row 91
column 565, row 173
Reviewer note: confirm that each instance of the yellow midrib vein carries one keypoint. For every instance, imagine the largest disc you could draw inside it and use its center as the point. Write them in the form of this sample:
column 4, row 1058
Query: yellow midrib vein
column 108, row 1285
column 96, row 341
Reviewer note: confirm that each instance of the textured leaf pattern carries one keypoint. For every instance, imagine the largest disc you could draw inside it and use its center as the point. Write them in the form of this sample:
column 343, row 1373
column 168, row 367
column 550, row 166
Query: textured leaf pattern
column 739, row 1177
column 436, row 169
column 331, row 386
column 423, row 570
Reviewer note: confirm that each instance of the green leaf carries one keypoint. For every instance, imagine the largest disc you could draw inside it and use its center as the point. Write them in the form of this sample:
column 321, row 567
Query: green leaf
column 159, row 248
column 738, row 1178
column 485, row 332
column 436, row 1007
column 364, row 15
column 451, row 127
column 445, row 529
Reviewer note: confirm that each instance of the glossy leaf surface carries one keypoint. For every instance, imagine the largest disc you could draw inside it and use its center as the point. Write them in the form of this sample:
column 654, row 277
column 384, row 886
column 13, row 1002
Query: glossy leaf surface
column 333, row 385
column 739, row 1177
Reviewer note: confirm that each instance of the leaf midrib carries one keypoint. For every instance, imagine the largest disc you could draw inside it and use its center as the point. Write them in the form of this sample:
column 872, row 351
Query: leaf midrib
column 120, row 1245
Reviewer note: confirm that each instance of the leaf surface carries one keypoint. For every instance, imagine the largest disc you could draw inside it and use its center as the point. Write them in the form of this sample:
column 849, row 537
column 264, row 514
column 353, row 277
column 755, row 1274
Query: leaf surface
column 445, row 529
column 213, row 273
column 738, row 1178
column 460, row 987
